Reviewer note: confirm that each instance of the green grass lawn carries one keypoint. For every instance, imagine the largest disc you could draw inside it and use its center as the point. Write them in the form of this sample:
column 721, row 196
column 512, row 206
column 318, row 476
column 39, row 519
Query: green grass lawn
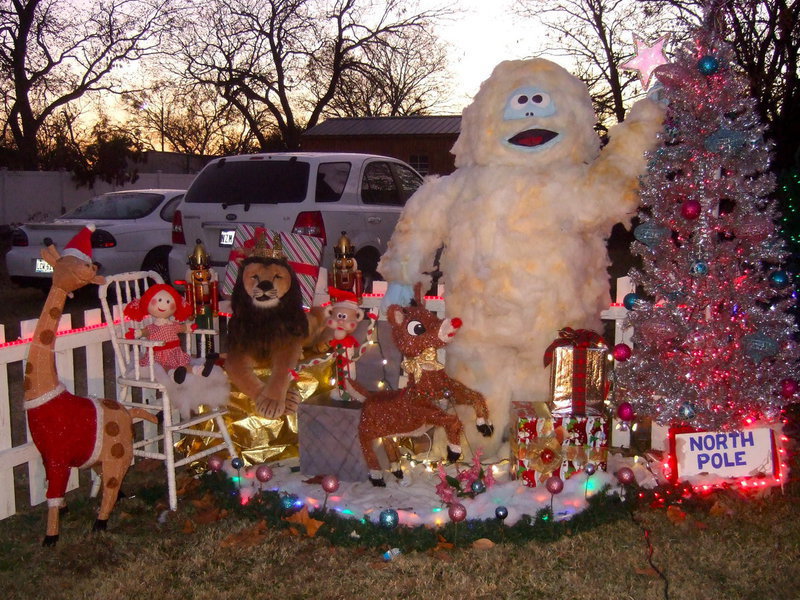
column 742, row 549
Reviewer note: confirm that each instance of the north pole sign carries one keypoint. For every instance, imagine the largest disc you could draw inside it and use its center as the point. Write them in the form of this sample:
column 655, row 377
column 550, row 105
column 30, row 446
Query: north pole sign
column 727, row 454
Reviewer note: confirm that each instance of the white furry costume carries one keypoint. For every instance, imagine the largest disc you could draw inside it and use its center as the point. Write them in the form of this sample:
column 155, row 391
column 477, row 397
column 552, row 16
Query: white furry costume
column 523, row 219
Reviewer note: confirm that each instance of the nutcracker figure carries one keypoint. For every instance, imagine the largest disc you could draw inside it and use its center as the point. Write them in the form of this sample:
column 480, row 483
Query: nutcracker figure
column 345, row 275
column 202, row 291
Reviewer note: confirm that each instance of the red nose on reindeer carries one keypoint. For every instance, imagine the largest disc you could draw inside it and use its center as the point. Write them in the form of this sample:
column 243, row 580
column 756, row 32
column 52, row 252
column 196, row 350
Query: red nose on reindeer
column 456, row 322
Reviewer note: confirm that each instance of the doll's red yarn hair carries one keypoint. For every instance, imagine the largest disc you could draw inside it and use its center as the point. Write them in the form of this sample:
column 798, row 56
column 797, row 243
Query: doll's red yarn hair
column 137, row 309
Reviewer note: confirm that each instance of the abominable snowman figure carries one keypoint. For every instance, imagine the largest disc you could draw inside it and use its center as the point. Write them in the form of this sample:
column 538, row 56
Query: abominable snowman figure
column 524, row 220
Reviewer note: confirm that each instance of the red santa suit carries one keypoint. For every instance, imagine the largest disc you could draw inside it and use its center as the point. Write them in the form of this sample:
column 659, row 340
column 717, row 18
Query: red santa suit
column 66, row 430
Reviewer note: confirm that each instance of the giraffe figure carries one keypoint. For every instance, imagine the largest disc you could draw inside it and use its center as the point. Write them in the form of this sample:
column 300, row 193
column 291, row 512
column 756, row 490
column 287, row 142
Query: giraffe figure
column 68, row 430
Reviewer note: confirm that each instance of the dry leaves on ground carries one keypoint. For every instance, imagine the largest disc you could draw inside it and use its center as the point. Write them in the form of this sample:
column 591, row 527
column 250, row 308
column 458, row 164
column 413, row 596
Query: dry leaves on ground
column 249, row 536
column 675, row 515
column 302, row 517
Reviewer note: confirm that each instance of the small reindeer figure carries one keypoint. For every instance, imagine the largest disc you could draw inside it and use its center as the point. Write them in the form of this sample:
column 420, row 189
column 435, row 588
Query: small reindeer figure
column 69, row 430
column 418, row 334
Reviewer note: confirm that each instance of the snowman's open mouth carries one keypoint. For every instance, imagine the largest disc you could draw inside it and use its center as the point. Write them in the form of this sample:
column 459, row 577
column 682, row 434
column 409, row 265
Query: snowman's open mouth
column 532, row 137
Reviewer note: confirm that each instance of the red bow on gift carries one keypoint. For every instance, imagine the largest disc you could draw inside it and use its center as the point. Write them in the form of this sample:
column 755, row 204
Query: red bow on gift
column 579, row 338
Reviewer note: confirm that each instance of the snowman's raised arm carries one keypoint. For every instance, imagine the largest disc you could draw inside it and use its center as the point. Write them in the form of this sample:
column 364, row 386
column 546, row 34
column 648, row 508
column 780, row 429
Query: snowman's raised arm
column 613, row 178
column 421, row 230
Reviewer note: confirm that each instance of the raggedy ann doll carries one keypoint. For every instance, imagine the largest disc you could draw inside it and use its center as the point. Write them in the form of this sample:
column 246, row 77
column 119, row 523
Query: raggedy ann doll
column 169, row 312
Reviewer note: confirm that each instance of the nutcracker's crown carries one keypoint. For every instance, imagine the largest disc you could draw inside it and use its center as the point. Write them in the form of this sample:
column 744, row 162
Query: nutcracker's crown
column 344, row 247
column 199, row 258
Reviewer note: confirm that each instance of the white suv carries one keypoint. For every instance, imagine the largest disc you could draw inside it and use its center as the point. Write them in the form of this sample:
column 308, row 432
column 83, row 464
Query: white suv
column 319, row 194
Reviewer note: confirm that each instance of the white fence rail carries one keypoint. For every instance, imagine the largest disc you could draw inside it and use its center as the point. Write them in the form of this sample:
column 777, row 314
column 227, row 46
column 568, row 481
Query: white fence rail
column 93, row 375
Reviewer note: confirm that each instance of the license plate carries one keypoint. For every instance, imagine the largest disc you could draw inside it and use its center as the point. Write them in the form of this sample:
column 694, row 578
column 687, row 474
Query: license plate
column 42, row 266
column 226, row 238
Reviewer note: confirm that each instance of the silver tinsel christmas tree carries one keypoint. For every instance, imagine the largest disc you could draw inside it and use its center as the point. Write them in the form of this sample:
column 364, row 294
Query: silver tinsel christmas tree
column 713, row 341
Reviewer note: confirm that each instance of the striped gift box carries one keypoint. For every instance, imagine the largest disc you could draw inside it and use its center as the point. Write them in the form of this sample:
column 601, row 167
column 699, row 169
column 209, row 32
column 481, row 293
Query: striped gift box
column 304, row 253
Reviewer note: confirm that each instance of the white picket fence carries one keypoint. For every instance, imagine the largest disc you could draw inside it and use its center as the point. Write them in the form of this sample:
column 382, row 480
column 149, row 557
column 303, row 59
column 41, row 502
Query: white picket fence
column 91, row 337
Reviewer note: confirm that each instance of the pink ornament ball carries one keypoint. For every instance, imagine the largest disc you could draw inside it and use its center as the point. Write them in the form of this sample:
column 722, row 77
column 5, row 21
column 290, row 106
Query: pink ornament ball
column 621, row 352
column 690, row 209
column 263, row 473
column 457, row 512
column 788, row 388
column 330, row 483
column 626, row 476
column 625, row 411
column 554, row 484
column 215, row 463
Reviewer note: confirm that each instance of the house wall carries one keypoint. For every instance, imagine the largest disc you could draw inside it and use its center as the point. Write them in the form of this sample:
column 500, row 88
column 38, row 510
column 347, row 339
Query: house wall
column 27, row 196
column 436, row 148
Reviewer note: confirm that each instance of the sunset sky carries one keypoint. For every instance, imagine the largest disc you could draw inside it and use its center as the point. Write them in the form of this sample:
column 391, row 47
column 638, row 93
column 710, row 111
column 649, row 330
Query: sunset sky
column 483, row 34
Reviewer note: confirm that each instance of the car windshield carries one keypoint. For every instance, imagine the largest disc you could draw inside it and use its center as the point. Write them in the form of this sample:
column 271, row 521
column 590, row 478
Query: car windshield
column 131, row 205
column 254, row 181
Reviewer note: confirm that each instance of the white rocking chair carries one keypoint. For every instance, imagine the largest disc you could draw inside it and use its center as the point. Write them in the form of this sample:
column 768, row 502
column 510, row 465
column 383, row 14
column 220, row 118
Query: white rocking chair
column 158, row 441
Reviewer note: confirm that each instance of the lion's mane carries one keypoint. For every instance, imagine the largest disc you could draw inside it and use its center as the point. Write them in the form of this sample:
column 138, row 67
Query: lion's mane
column 255, row 331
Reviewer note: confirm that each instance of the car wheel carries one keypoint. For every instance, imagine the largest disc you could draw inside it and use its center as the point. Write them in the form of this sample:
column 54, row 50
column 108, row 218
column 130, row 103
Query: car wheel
column 367, row 259
column 158, row 260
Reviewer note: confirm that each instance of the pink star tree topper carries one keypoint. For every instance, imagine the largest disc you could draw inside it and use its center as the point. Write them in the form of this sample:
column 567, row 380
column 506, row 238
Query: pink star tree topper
column 647, row 58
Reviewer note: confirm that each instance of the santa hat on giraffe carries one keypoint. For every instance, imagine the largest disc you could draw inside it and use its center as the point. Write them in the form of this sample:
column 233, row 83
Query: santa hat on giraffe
column 80, row 245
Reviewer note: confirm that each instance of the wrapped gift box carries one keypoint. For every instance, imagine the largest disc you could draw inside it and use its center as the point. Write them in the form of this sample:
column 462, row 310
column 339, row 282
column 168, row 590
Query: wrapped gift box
column 579, row 364
column 542, row 445
column 327, row 433
column 304, row 253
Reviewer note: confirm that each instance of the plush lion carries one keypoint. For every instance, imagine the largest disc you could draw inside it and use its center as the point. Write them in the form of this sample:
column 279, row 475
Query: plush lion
column 269, row 327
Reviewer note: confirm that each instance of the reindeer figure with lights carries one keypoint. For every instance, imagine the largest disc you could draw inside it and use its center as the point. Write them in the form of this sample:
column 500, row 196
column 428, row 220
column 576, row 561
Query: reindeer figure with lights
column 409, row 411
column 69, row 430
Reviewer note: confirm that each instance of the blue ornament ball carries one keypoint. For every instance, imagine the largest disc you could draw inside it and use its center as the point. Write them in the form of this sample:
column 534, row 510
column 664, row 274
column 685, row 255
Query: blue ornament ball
column 389, row 519
column 708, row 65
column 686, row 411
column 758, row 346
column 237, row 463
column 501, row 512
column 590, row 469
column 699, row 267
column 779, row 279
column 650, row 234
column 725, row 140
column 478, row 487
column 629, row 301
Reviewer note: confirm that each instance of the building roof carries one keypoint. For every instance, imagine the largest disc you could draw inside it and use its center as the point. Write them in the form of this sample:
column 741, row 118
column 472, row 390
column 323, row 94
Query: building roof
column 428, row 125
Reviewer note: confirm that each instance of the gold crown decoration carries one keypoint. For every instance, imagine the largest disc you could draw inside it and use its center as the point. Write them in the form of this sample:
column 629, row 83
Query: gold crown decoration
column 261, row 250
column 199, row 258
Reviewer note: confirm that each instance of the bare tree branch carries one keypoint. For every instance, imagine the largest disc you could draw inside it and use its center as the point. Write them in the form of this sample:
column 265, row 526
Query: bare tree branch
column 288, row 57
column 597, row 35
column 56, row 51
